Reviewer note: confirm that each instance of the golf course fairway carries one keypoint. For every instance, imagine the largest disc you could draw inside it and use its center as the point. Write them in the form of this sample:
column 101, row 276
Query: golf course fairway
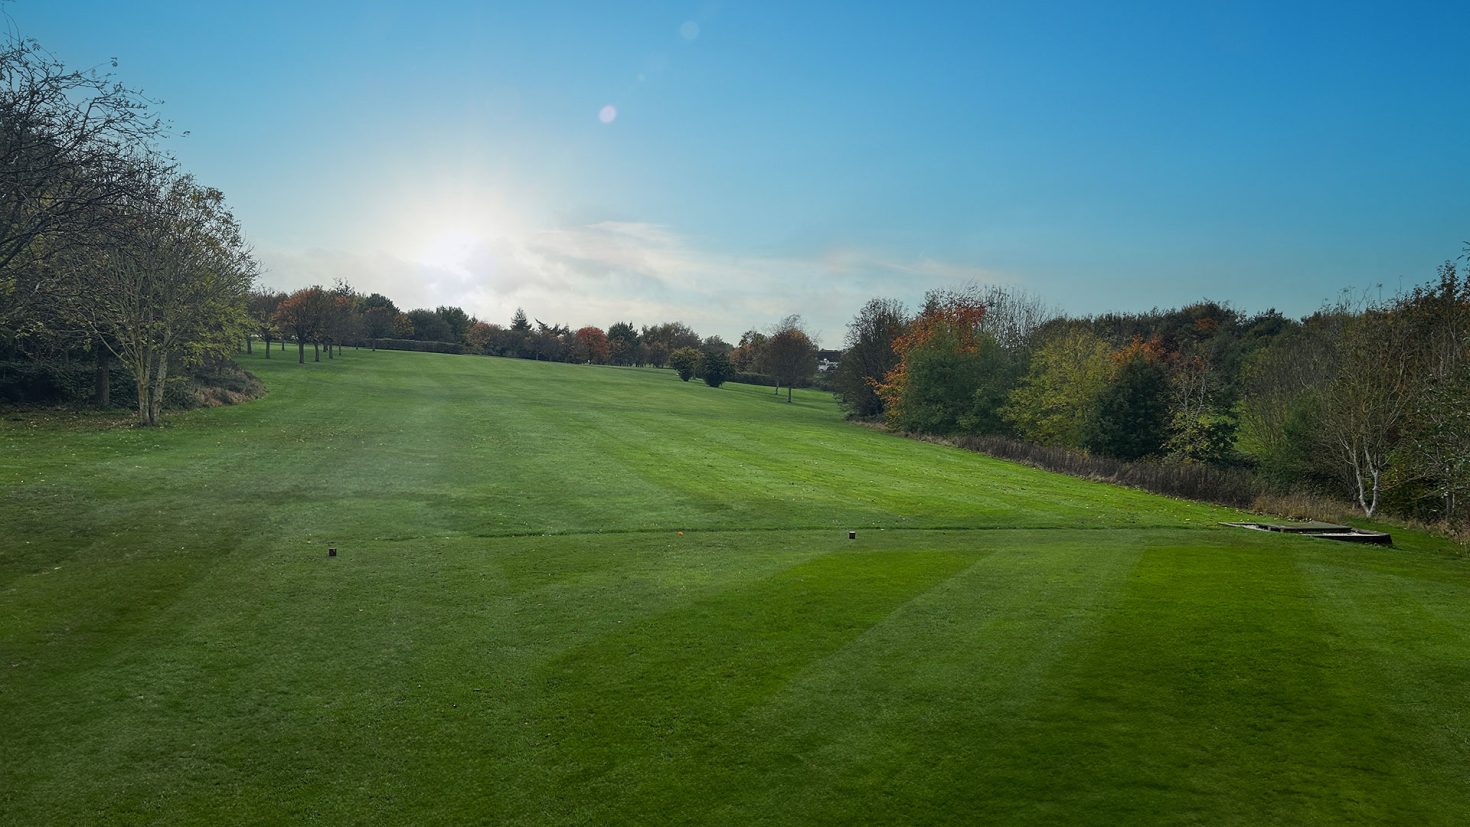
column 592, row 595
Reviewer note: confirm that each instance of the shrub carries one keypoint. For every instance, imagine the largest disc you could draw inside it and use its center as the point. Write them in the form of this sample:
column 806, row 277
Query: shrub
column 1235, row 487
column 1303, row 506
column 25, row 381
column 686, row 361
column 714, row 368
column 213, row 384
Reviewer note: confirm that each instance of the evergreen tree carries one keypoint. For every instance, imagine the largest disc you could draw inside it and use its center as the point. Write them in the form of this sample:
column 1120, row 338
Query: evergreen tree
column 1130, row 418
column 715, row 368
column 622, row 342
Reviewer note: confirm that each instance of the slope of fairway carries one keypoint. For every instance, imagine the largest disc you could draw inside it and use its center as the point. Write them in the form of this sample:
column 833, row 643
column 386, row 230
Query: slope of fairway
column 515, row 631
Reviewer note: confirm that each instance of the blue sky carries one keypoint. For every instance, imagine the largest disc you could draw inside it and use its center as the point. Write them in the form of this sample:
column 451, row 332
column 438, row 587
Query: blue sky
column 774, row 158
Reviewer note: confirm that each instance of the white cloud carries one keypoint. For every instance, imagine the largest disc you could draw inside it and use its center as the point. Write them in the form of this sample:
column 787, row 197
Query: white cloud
column 645, row 273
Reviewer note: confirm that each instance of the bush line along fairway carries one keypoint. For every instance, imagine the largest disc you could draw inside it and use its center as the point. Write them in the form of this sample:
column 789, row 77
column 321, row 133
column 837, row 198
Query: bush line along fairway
column 515, row 632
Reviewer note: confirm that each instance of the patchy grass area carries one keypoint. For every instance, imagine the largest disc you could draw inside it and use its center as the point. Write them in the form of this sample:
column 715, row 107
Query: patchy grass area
column 514, row 631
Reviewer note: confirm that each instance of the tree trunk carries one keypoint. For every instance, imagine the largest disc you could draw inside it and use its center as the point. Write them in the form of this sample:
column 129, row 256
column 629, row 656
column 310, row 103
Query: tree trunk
column 267, row 346
column 247, row 344
column 149, row 372
column 300, row 352
column 316, row 351
column 330, row 345
column 155, row 401
column 1375, row 472
column 788, row 394
column 143, row 383
column 104, row 380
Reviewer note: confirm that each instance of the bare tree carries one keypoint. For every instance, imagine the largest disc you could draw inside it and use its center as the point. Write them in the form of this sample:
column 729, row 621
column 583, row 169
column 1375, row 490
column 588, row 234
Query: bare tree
column 73, row 145
column 1438, row 444
column 1366, row 408
column 1013, row 316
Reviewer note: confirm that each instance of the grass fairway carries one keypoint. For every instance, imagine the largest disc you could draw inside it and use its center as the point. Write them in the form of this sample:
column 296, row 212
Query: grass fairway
column 515, row 632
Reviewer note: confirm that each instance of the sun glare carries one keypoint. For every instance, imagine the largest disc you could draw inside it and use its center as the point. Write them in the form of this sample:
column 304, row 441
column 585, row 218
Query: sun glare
column 449, row 249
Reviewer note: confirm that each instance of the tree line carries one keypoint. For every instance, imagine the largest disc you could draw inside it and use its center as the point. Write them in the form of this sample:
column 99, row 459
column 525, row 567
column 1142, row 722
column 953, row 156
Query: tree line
column 1367, row 399
column 109, row 252
column 327, row 318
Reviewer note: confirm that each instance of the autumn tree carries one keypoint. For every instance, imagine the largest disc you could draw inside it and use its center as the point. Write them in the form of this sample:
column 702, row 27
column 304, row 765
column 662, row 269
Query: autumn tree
column 302, row 316
column 942, row 355
column 790, row 354
column 749, row 355
column 592, row 346
column 479, row 337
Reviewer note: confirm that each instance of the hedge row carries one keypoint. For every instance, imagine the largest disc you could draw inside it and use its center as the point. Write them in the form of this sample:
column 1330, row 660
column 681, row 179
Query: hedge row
column 420, row 347
column 1235, row 487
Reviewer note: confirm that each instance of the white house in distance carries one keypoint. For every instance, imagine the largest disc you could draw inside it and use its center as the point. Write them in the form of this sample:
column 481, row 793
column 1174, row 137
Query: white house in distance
column 827, row 360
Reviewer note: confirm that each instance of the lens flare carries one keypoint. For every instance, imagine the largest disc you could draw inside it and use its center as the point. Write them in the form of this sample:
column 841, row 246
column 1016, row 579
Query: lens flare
column 608, row 114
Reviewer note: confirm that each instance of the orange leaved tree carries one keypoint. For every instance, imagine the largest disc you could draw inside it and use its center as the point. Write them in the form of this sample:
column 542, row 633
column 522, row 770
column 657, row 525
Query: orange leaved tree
column 944, row 359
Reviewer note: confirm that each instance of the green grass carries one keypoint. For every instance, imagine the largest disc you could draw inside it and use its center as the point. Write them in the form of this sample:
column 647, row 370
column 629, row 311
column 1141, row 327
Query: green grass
column 514, row 631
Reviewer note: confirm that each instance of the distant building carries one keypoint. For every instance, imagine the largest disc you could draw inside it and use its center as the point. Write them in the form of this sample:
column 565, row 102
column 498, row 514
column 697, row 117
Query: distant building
column 828, row 359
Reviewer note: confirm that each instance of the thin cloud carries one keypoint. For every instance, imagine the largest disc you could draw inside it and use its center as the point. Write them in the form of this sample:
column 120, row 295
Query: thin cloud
column 608, row 271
